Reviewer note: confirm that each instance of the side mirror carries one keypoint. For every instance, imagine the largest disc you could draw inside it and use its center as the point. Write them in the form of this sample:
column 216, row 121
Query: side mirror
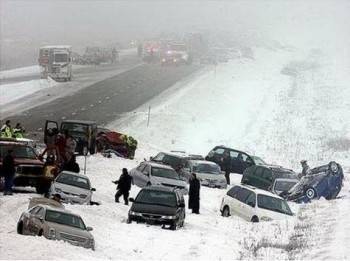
column 182, row 205
column 131, row 199
column 89, row 229
column 93, row 189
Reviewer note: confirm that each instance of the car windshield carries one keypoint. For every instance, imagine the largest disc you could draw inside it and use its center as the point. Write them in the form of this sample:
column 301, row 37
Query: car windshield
column 164, row 173
column 19, row 151
column 61, row 57
column 258, row 161
column 168, row 159
column 75, row 128
column 284, row 185
column 206, row 168
column 64, row 219
column 274, row 204
column 153, row 197
column 73, row 180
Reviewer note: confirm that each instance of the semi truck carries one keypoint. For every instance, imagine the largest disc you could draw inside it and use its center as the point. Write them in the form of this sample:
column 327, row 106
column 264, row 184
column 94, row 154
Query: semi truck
column 56, row 62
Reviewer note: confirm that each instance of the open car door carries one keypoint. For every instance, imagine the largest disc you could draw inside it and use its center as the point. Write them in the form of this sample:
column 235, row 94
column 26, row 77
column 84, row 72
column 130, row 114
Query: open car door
column 50, row 125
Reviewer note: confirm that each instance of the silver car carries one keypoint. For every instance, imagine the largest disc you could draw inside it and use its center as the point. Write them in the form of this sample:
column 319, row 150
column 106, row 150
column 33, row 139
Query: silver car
column 209, row 173
column 152, row 173
column 56, row 224
column 73, row 188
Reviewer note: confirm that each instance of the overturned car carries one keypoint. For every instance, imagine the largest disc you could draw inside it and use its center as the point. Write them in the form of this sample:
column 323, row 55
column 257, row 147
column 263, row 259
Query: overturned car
column 323, row 181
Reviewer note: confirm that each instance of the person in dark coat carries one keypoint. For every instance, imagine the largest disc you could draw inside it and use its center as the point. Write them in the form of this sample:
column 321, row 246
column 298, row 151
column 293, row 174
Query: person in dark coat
column 193, row 199
column 72, row 165
column 124, row 186
column 8, row 170
column 226, row 164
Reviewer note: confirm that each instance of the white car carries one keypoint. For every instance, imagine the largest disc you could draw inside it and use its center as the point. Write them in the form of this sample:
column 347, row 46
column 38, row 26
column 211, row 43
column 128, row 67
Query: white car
column 254, row 204
column 73, row 188
column 151, row 173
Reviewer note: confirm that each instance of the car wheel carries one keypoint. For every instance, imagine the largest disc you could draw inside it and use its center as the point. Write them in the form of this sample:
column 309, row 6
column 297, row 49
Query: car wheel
column 173, row 226
column 310, row 193
column 129, row 220
column 40, row 233
column 148, row 184
column 226, row 211
column 255, row 219
column 20, row 228
column 41, row 189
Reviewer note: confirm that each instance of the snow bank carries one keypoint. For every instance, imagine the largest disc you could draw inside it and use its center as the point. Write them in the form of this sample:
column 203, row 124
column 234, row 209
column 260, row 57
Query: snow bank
column 20, row 72
column 15, row 91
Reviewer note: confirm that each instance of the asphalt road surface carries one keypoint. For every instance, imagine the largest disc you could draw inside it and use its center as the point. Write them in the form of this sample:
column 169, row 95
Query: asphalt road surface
column 106, row 100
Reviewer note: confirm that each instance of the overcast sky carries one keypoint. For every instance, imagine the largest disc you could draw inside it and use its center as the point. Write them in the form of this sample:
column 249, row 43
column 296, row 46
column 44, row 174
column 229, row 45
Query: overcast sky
column 28, row 24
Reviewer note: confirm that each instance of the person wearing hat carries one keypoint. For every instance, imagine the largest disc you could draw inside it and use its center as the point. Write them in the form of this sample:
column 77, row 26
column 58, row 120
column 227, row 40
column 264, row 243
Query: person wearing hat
column 57, row 197
column 193, row 195
column 124, row 186
column 8, row 170
column 305, row 168
column 6, row 130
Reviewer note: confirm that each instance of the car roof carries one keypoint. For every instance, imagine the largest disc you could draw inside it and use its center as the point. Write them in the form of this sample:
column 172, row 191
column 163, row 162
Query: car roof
column 203, row 161
column 277, row 168
column 50, row 207
column 259, row 191
column 80, row 122
column 284, row 179
column 12, row 141
column 160, row 188
column 225, row 147
column 181, row 154
column 74, row 174
column 156, row 164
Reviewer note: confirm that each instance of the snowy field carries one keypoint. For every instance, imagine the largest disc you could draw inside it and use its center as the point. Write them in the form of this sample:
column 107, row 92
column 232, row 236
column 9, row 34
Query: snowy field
column 283, row 106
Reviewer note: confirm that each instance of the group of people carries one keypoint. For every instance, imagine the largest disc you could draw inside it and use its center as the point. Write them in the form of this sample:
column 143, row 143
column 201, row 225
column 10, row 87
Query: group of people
column 125, row 181
column 60, row 149
column 8, row 132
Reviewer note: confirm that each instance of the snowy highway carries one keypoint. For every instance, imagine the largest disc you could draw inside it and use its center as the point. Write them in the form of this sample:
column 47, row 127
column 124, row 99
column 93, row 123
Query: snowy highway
column 281, row 105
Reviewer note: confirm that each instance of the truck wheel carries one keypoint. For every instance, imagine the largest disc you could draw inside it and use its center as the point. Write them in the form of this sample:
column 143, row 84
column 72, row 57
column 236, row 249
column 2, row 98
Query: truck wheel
column 255, row 219
column 20, row 228
column 226, row 212
column 173, row 226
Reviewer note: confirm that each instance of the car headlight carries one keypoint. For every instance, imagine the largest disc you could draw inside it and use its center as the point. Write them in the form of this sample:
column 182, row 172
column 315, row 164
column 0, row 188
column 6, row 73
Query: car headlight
column 135, row 213
column 265, row 218
column 334, row 167
column 168, row 217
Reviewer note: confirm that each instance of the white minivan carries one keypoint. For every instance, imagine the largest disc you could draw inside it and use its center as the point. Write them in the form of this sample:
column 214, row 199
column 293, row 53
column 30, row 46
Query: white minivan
column 254, row 204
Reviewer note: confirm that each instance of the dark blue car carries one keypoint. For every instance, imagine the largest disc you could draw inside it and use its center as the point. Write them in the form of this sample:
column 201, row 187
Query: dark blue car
column 324, row 181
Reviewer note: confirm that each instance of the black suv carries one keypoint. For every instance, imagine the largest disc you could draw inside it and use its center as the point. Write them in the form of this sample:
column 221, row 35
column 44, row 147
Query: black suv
column 239, row 160
column 176, row 159
column 263, row 177
column 158, row 205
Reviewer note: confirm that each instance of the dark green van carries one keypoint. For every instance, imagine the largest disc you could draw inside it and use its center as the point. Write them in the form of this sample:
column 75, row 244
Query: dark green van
column 263, row 177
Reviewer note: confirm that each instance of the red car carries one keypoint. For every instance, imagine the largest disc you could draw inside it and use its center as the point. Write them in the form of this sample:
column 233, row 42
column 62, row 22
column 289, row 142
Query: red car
column 29, row 168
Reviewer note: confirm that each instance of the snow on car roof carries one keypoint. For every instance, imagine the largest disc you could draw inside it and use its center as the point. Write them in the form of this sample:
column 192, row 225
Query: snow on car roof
column 56, row 46
column 259, row 191
column 155, row 164
column 50, row 207
column 203, row 161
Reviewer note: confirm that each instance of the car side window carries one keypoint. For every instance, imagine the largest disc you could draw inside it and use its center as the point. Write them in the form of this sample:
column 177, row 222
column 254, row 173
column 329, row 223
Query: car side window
column 267, row 174
column 141, row 167
column 251, row 199
column 233, row 154
column 219, row 151
column 145, row 171
column 40, row 212
column 233, row 191
column 33, row 210
column 258, row 172
column 243, row 194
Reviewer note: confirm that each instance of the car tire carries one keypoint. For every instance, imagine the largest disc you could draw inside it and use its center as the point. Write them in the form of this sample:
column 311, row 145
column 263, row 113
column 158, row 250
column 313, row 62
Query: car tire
column 129, row 220
column 148, row 184
column 174, row 226
column 255, row 219
column 20, row 228
column 40, row 233
column 41, row 189
column 310, row 193
column 226, row 212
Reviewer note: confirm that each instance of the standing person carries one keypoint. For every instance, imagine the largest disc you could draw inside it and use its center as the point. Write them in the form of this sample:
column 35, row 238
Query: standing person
column 305, row 168
column 60, row 144
column 8, row 169
column 18, row 131
column 124, row 186
column 70, row 146
column 226, row 164
column 193, row 199
column 6, row 130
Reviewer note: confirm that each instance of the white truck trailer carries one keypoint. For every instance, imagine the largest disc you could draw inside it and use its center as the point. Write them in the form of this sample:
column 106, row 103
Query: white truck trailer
column 56, row 62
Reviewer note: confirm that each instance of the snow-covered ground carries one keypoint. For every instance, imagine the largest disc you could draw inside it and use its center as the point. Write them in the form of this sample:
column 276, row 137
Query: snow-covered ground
column 283, row 106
